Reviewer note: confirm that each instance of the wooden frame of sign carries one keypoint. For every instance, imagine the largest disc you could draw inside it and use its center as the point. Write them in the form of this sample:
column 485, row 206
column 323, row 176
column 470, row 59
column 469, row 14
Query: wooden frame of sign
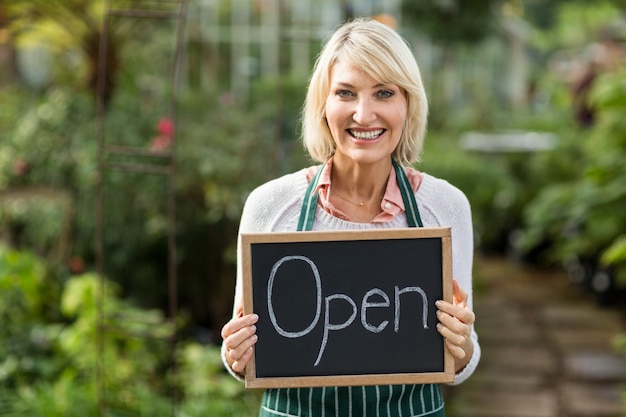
column 347, row 308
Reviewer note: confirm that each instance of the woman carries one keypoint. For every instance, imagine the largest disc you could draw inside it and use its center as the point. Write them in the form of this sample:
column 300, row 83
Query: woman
column 364, row 119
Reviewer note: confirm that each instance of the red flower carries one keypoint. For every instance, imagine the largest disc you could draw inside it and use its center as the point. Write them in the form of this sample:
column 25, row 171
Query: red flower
column 165, row 126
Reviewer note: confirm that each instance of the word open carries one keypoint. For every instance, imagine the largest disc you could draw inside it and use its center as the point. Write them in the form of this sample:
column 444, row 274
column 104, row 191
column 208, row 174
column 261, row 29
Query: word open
column 326, row 301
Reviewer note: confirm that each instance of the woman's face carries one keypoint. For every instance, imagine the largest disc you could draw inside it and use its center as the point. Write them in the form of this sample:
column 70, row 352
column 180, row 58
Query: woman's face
column 365, row 116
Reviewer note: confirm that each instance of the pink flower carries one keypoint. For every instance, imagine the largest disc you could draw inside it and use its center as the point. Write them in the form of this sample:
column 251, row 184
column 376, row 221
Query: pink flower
column 165, row 129
column 160, row 143
column 165, row 126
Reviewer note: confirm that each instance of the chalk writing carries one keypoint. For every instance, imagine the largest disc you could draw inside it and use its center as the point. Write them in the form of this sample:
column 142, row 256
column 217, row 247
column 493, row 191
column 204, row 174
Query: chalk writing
column 366, row 303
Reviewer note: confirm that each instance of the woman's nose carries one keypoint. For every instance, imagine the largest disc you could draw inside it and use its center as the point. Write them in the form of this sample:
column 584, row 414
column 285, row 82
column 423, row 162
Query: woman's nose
column 364, row 112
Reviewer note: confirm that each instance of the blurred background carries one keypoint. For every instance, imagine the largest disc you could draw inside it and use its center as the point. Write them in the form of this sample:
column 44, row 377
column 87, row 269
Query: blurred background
column 132, row 131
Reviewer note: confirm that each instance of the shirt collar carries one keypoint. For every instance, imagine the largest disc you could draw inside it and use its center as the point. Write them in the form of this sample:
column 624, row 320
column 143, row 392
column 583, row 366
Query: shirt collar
column 391, row 204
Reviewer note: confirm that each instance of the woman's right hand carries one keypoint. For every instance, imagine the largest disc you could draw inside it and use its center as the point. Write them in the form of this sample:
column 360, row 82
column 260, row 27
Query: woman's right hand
column 239, row 336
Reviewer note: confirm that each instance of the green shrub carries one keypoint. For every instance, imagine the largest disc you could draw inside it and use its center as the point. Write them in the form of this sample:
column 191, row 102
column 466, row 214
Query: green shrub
column 48, row 344
column 584, row 218
column 492, row 192
column 208, row 389
column 51, row 362
column 225, row 149
column 29, row 303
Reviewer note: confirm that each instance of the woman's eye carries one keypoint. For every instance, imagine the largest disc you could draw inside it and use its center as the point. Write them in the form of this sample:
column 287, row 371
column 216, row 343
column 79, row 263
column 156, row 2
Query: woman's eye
column 344, row 93
column 385, row 94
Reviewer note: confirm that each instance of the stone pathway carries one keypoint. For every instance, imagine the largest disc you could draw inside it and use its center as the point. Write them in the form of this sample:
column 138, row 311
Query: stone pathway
column 547, row 349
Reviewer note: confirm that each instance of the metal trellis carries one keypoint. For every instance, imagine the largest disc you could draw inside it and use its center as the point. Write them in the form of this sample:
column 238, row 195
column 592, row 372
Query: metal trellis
column 142, row 162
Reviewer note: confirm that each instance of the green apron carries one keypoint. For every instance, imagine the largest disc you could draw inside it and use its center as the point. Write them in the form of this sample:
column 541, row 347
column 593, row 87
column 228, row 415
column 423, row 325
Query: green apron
column 357, row 401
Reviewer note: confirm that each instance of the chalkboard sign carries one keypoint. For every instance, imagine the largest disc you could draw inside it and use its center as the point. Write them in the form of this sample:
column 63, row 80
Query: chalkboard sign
column 347, row 308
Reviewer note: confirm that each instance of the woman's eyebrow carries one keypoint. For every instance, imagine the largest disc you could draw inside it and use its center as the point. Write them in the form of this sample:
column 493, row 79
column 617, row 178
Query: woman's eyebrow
column 343, row 84
column 348, row 85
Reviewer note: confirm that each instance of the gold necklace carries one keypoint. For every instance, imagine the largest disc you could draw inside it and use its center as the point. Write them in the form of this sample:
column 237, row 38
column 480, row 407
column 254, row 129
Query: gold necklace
column 362, row 203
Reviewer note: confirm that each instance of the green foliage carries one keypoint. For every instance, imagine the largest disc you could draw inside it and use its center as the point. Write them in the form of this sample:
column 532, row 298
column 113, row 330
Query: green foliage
column 30, row 293
column 15, row 102
column 48, row 342
column 616, row 253
column 45, row 138
column 226, row 148
column 585, row 217
column 499, row 184
column 451, row 21
column 135, row 342
column 567, row 24
column 208, row 389
column 62, row 397
column 492, row 193
column 70, row 28
column 50, row 355
column 47, row 160
column 608, row 150
column 238, row 146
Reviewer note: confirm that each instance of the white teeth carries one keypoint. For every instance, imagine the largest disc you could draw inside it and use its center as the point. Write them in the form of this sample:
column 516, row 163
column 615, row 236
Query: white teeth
column 372, row 134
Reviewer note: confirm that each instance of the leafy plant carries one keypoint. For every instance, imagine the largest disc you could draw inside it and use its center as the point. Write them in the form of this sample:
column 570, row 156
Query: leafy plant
column 48, row 345
column 492, row 193
column 452, row 21
column 30, row 293
column 208, row 389
column 584, row 218
column 50, row 355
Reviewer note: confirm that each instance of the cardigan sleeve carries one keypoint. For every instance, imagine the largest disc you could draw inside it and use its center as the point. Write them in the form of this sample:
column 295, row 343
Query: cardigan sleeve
column 463, row 252
column 441, row 204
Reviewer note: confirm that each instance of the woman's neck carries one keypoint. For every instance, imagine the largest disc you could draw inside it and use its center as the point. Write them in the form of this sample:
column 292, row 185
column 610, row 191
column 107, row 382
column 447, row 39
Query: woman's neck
column 359, row 183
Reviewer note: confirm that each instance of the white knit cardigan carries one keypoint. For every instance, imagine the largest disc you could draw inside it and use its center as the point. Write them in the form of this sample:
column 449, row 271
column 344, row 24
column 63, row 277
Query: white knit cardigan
column 275, row 207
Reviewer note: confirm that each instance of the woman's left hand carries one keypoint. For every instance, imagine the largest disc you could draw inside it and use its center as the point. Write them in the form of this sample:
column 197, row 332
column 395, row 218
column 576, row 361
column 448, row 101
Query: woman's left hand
column 455, row 325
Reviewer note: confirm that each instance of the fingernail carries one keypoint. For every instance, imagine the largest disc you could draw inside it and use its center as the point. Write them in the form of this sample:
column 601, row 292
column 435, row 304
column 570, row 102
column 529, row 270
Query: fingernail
column 254, row 318
column 438, row 303
column 253, row 328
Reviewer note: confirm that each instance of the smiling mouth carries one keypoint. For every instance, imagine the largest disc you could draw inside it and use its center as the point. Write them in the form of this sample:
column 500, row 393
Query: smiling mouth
column 367, row 135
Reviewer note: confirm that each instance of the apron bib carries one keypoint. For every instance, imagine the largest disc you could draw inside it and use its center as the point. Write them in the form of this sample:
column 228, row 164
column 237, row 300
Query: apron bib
column 309, row 205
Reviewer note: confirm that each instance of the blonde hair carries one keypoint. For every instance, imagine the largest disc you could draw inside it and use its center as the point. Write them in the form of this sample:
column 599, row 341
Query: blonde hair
column 385, row 56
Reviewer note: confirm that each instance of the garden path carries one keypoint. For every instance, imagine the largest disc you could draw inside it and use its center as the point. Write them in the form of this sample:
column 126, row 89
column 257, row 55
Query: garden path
column 547, row 348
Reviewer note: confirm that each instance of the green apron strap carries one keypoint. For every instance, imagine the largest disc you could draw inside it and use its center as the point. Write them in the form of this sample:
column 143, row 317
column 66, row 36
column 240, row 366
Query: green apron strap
column 307, row 212
column 309, row 205
column 408, row 198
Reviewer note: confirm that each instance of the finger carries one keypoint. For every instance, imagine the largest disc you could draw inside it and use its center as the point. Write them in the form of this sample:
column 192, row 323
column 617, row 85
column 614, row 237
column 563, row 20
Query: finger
column 457, row 351
column 453, row 324
column 458, row 319
column 237, row 343
column 447, row 311
column 456, row 338
column 242, row 352
column 239, row 366
column 237, row 323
